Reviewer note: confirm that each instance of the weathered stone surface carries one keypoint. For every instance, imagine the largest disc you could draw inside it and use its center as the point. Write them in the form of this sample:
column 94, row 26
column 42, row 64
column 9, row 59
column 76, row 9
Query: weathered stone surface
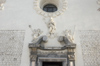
column 11, row 44
column 90, row 43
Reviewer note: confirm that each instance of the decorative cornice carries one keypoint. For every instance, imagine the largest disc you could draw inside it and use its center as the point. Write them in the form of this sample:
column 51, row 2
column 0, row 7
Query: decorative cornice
column 2, row 4
column 60, row 11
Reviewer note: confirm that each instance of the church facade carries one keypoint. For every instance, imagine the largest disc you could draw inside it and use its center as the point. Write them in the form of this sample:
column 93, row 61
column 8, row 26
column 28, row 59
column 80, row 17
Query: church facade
column 50, row 33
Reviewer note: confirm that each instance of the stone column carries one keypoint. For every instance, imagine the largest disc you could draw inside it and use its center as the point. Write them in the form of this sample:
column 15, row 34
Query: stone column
column 33, row 56
column 71, row 57
column 33, row 63
column 71, row 63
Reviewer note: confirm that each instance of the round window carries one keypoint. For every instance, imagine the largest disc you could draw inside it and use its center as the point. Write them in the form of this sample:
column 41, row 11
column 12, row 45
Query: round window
column 50, row 8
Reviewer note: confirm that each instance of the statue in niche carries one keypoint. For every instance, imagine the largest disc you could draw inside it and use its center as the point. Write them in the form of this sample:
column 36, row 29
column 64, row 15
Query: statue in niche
column 35, row 33
column 69, row 35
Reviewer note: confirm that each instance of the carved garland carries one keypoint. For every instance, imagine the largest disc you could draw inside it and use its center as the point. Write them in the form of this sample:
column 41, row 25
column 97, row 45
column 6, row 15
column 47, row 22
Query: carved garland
column 45, row 14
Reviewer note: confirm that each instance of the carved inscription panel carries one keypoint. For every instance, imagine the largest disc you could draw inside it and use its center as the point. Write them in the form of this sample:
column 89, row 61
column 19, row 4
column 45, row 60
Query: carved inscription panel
column 11, row 44
column 90, row 44
column 53, row 53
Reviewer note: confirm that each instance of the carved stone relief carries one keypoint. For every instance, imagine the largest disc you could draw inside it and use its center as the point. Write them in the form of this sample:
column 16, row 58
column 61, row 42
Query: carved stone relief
column 61, row 4
column 49, row 53
column 69, row 35
column 90, row 43
column 51, row 27
column 2, row 4
column 67, row 52
column 11, row 45
column 35, row 33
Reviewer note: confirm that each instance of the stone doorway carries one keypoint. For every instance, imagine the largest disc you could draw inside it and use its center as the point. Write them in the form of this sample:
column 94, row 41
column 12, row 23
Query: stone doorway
column 48, row 61
column 52, row 64
column 41, row 56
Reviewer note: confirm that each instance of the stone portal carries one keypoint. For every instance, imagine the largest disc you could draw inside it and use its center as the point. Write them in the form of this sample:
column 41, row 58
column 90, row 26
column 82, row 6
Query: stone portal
column 62, row 56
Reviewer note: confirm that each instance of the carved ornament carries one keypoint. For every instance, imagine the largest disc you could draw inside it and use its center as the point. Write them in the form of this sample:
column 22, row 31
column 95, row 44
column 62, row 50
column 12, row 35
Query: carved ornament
column 35, row 33
column 69, row 35
column 46, row 52
column 37, row 50
column 67, row 44
column 62, row 6
column 2, row 4
column 38, row 43
column 51, row 27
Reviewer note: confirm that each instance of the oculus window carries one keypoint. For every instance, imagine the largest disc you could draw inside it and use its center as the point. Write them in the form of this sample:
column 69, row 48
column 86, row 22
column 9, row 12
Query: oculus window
column 50, row 8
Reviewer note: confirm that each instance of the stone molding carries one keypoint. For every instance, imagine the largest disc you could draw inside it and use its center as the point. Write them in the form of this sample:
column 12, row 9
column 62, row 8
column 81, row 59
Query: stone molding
column 51, row 28
column 37, row 50
column 54, row 53
column 62, row 7
column 37, row 44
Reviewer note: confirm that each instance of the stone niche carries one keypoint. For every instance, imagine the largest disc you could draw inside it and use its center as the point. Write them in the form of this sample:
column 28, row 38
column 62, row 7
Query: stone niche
column 63, row 56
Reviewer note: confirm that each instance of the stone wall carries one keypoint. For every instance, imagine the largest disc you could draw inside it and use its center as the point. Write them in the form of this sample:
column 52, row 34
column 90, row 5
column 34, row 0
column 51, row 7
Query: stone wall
column 90, row 43
column 11, row 45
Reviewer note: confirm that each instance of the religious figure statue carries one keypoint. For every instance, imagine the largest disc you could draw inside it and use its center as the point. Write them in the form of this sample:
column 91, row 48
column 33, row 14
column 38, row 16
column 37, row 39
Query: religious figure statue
column 35, row 33
column 69, row 35
column 52, row 26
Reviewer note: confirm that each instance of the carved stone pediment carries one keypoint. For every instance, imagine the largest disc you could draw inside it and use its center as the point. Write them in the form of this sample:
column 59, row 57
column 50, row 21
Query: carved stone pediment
column 67, row 44
column 38, row 43
column 67, row 52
